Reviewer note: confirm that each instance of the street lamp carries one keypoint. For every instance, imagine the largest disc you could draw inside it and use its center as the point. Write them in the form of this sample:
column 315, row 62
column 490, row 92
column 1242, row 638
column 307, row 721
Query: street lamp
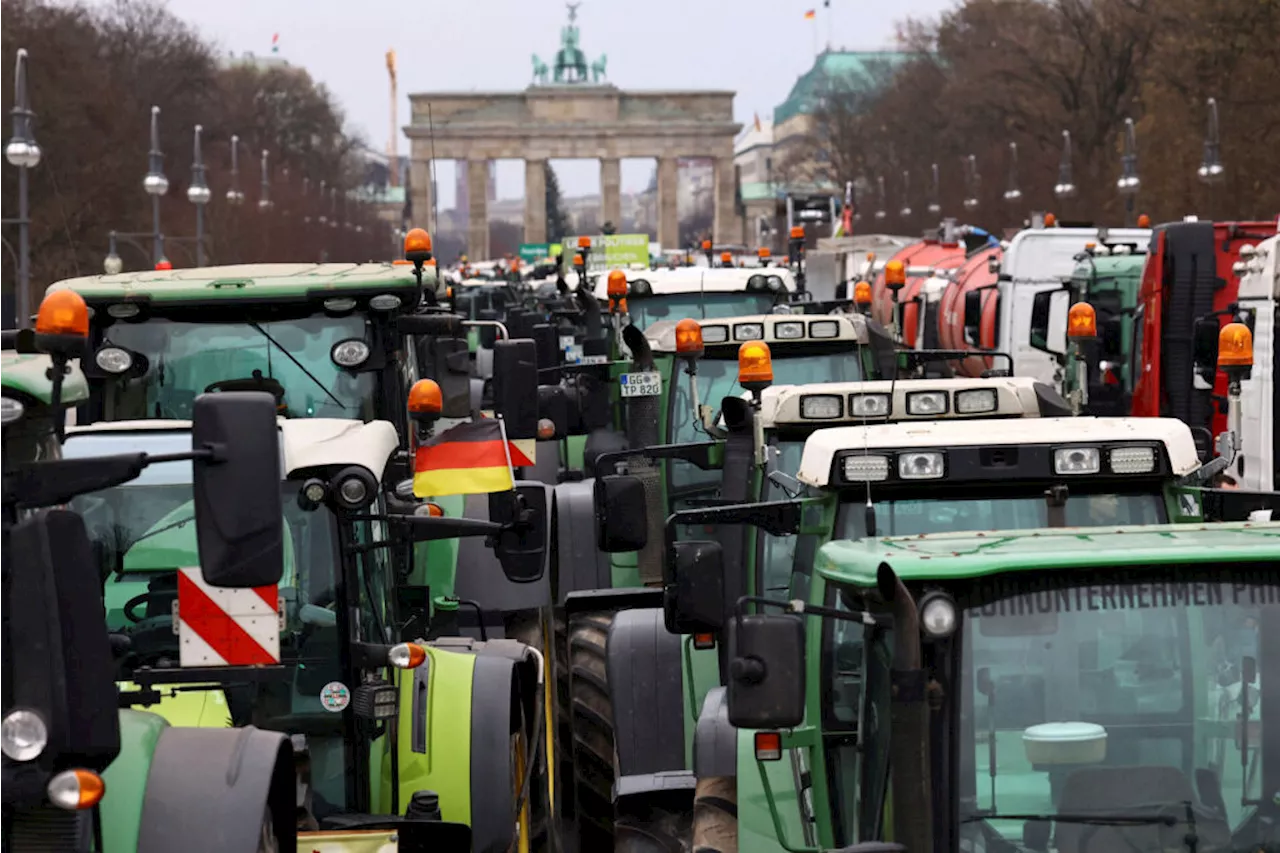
column 112, row 264
column 155, row 183
column 1065, row 188
column 1128, row 181
column 1013, row 194
column 322, row 219
column 972, row 181
column 199, row 195
column 1211, row 170
column 333, row 207
column 935, row 194
column 234, row 194
column 23, row 152
column 264, row 193
column 905, row 212
column 306, row 187
column 881, row 213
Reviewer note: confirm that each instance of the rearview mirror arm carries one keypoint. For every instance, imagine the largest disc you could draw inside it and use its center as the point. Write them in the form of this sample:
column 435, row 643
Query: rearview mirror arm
column 57, row 481
column 778, row 518
column 800, row 607
column 699, row 453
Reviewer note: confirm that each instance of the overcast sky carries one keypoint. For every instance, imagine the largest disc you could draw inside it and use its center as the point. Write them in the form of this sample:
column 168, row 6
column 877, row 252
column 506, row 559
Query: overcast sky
column 756, row 48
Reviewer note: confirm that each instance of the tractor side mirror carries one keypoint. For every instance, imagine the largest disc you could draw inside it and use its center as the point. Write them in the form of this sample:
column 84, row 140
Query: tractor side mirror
column 448, row 362
column 521, row 547
column 1049, row 320
column 515, row 386
column 58, row 655
column 237, row 494
column 621, row 519
column 1204, row 349
column 693, row 595
column 766, row 672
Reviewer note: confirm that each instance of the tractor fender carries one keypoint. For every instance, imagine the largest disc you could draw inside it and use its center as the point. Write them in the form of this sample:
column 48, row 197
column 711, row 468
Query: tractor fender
column 625, row 598
column 209, row 789
column 579, row 565
column 715, row 740
column 546, row 465
column 646, row 684
column 482, row 579
column 495, row 706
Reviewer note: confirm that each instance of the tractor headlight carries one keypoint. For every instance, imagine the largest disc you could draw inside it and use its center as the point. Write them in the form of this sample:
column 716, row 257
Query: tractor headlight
column 23, row 735
column 350, row 353
column 976, row 401
column 385, row 302
column 820, row 406
column 113, row 360
column 10, row 410
column 863, row 469
column 788, row 331
column 924, row 403
column 746, row 332
column 1076, row 460
column 869, row 405
column 937, row 615
column 355, row 487
column 1132, row 460
column 921, row 466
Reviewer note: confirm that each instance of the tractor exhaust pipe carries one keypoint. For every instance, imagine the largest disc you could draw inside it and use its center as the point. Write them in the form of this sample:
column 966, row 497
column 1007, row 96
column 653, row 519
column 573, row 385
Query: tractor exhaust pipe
column 908, row 719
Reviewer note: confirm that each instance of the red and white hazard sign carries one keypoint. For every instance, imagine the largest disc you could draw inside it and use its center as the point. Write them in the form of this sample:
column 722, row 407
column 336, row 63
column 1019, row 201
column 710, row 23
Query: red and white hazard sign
column 226, row 627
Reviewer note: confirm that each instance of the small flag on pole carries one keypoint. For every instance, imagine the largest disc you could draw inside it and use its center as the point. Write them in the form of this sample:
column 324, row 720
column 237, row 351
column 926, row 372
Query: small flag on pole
column 757, row 121
column 811, row 14
column 469, row 459
column 275, row 43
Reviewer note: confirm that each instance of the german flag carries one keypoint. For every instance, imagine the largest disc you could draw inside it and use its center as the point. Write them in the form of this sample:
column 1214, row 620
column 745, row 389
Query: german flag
column 469, row 459
column 811, row 14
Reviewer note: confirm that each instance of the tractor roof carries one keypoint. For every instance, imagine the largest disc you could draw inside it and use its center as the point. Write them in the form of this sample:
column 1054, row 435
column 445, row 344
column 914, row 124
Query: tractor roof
column 29, row 374
column 828, row 403
column 243, row 281
column 822, row 448
column 306, row 443
column 724, row 335
column 943, row 556
column 662, row 282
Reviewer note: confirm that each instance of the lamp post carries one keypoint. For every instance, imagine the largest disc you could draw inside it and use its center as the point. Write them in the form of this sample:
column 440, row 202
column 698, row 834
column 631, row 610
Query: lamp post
column 23, row 152
column 199, row 195
column 972, row 183
column 1013, row 194
column 322, row 219
column 935, row 193
column 905, row 212
column 156, row 184
column 1128, row 181
column 1211, row 170
column 881, row 213
column 264, row 191
column 234, row 195
column 1065, row 188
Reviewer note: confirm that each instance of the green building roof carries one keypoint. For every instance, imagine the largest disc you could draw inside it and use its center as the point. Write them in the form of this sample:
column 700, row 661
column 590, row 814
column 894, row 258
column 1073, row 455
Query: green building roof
column 243, row 281
column 864, row 68
column 947, row 556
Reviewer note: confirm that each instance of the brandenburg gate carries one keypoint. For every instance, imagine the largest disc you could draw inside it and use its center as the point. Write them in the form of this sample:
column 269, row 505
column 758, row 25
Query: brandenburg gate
column 574, row 114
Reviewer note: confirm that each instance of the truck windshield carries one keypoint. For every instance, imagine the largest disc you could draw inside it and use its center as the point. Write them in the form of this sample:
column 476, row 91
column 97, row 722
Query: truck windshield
column 144, row 530
column 186, row 358
column 1113, row 711
column 700, row 306
column 942, row 513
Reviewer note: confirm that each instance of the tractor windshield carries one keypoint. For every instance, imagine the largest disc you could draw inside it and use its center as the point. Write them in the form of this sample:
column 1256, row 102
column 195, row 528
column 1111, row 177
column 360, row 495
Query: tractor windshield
column 1135, row 713
column 645, row 310
column 290, row 358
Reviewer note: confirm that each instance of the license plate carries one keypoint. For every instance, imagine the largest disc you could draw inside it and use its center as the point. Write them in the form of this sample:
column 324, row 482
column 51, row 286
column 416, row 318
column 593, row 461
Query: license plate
column 594, row 359
column 641, row 384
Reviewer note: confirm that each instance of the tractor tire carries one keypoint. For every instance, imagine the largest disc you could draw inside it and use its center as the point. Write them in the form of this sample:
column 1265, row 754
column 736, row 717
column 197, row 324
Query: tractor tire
column 715, row 815
column 658, row 831
column 591, row 713
column 527, row 628
column 562, row 719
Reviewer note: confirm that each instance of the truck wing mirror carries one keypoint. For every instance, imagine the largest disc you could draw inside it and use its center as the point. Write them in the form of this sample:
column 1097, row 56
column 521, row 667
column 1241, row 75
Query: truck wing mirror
column 521, row 546
column 515, row 386
column 237, row 492
column 1049, row 321
column 973, row 317
column 693, row 591
column 621, row 517
column 1204, row 348
column 766, row 672
column 59, row 652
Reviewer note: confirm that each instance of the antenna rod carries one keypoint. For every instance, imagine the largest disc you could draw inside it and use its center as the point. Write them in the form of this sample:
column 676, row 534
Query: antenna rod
column 435, row 201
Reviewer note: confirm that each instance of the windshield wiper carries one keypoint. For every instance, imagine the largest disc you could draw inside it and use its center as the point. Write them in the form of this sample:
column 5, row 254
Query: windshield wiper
column 159, row 530
column 297, row 363
column 1091, row 819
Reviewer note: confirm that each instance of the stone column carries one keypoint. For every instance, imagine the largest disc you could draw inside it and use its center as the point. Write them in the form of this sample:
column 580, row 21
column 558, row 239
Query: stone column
column 611, row 191
column 726, row 229
column 478, row 215
column 420, row 195
column 535, row 201
column 668, row 213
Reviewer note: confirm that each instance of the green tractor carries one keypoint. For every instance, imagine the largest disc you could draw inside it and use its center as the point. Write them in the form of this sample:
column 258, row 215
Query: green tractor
column 391, row 736
column 82, row 772
column 1027, row 690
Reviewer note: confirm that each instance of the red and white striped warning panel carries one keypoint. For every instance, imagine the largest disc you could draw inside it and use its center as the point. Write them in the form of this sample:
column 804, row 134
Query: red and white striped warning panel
column 226, row 627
